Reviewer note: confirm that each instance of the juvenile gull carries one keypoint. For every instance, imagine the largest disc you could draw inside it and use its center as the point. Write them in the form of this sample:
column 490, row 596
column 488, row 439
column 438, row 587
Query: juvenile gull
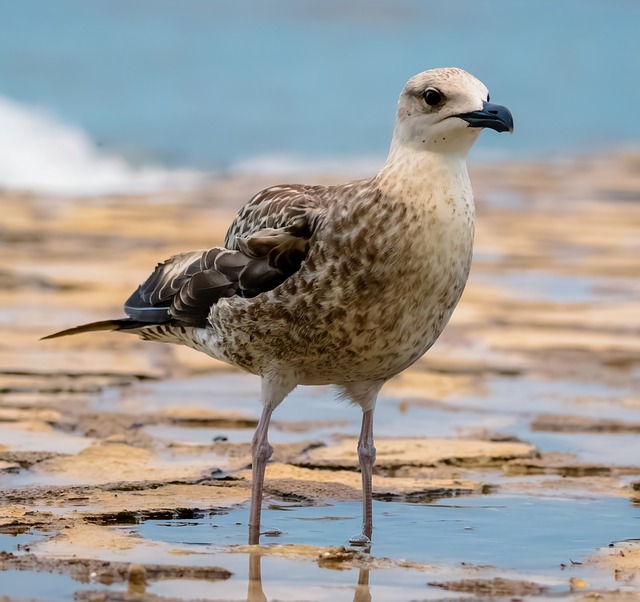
column 345, row 285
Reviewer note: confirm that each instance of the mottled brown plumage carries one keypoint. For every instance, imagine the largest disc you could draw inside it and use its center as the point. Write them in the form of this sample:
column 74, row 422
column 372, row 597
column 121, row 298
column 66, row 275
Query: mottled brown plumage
column 345, row 285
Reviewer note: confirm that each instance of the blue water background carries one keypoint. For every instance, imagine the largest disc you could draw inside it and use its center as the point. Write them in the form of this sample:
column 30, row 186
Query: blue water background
column 208, row 84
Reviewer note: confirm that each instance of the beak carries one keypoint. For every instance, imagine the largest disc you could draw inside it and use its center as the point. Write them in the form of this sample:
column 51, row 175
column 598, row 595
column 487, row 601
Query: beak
column 492, row 116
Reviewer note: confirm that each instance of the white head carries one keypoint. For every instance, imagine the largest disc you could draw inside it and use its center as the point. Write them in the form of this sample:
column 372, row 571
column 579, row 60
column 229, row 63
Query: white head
column 444, row 111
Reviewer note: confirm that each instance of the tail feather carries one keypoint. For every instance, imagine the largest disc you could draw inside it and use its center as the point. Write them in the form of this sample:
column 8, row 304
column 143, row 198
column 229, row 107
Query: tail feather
column 124, row 324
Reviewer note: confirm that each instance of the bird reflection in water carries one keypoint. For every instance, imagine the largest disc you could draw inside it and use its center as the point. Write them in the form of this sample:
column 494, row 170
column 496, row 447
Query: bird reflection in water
column 255, row 593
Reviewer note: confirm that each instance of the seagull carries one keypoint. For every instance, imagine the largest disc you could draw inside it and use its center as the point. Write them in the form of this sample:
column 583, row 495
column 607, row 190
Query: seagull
column 345, row 285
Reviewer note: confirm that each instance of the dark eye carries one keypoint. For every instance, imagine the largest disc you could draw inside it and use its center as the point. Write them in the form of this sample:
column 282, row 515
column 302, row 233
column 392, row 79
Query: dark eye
column 432, row 97
column 488, row 98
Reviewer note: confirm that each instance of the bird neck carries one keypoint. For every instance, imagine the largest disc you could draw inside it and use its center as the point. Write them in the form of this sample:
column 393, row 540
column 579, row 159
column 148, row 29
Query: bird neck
column 412, row 173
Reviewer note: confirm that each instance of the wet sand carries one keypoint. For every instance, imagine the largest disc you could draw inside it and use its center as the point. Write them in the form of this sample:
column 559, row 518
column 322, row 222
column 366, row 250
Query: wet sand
column 508, row 457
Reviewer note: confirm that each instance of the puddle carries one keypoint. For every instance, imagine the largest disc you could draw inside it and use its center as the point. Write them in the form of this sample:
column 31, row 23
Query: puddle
column 202, row 435
column 506, row 406
column 315, row 407
column 540, row 540
column 513, row 404
column 598, row 448
column 16, row 538
column 527, row 395
column 559, row 288
column 236, row 391
column 31, row 585
column 283, row 579
column 528, row 537
column 27, row 478
column 475, row 529
column 36, row 437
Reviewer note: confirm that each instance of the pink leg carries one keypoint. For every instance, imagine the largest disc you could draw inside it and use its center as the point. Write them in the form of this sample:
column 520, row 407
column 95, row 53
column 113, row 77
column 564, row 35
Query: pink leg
column 275, row 387
column 367, row 457
column 261, row 452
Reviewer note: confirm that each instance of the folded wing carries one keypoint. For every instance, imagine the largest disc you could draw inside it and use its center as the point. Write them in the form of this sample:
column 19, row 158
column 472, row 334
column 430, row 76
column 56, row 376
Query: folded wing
column 266, row 243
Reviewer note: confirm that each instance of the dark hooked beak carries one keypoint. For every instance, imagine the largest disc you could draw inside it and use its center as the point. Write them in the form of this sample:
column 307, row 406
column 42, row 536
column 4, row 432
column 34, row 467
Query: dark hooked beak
column 492, row 116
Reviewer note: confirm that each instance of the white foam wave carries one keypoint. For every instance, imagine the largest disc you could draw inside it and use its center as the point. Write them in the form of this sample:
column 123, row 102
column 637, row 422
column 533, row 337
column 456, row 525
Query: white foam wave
column 39, row 153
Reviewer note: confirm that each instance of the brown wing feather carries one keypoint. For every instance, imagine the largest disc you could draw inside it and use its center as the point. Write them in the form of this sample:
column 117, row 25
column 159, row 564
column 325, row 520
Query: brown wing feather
column 266, row 243
column 274, row 208
column 170, row 276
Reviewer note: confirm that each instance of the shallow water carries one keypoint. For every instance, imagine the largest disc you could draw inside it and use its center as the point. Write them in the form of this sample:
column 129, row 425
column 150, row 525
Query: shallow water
column 38, row 586
column 512, row 532
column 290, row 580
column 531, row 538
column 560, row 288
column 12, row 542
column 43, row 440
column 506, row 405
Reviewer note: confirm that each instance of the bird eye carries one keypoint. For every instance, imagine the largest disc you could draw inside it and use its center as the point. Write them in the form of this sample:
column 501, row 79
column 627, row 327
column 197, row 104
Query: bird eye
column 432, row 97
column 488, row 98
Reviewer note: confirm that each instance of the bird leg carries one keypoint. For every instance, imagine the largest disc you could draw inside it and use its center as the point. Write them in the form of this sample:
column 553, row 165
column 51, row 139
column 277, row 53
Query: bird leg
column 261, row 452
column 367, row 457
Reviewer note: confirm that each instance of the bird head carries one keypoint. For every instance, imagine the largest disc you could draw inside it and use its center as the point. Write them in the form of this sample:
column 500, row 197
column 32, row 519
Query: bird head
column 444, row 110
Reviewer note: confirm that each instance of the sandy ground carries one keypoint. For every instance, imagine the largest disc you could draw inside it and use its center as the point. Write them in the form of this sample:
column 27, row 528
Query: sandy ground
column 532, row 393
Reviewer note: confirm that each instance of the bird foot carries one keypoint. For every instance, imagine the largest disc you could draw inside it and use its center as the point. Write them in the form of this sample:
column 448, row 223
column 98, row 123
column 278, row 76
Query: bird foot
column 360, row 540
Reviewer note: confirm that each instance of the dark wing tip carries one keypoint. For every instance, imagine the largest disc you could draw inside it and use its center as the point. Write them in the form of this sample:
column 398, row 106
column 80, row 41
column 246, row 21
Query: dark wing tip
column 136, row 308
